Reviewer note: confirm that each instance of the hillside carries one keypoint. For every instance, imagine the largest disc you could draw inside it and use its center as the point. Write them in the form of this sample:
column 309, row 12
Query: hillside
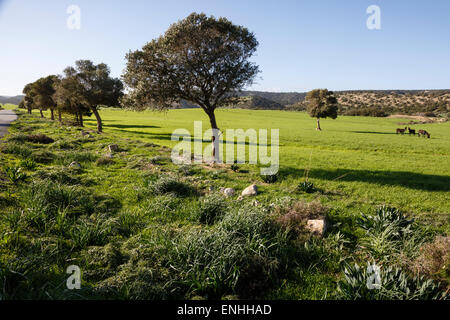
column 256, row 103
column 11, row 100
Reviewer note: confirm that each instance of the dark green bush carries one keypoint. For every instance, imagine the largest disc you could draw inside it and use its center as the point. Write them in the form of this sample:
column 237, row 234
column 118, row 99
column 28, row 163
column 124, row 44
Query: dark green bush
column 270, row 178
column 307, row 187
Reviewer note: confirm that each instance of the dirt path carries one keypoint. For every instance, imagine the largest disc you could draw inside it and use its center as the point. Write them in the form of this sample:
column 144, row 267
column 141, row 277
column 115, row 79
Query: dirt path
column 6, row 117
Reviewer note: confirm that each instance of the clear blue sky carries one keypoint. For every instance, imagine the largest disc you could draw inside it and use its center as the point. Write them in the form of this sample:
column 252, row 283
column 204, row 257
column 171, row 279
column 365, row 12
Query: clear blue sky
column 303, row 44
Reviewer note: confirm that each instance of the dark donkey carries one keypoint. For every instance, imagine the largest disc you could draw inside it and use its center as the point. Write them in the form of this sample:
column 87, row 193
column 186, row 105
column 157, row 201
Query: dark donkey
column 423, row 133
column 402, row 131
column 411, row 131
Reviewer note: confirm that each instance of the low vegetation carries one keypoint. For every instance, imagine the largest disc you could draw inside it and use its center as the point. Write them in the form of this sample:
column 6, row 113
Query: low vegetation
column 141, row 227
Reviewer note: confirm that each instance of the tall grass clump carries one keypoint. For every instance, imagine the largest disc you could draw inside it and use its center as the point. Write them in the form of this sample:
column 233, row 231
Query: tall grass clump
column 241, row 255
column 18, row 149
column 211, row 209
column 168, row 184
column 67, row 157
column 361, row 283
column 390, row 234
column 45, row 201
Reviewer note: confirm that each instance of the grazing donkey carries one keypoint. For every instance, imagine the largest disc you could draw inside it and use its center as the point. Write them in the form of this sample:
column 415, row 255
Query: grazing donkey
column 411, row 131
column 424, row 133
column 402, row 131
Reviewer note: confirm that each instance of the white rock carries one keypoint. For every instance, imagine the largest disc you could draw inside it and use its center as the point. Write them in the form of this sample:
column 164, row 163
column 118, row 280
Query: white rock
column 251, row 190
column 229, row 192
column 113, row 148
column 255, row 203
column 317, row 226
column 75, row 165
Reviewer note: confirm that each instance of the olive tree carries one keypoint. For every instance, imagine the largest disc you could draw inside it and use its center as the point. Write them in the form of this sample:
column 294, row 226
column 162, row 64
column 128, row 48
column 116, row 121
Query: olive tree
column 321, row 103
column 201, row 59
column 95, row 86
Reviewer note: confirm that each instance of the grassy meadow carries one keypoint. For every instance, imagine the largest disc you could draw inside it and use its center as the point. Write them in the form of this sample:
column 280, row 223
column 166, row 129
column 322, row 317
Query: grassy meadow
column 359, row 158
column 141, row 227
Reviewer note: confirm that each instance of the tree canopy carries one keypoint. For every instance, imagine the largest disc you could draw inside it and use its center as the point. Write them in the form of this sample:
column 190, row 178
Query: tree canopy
column 89, row 85
column 199, row 59
column 321, row 103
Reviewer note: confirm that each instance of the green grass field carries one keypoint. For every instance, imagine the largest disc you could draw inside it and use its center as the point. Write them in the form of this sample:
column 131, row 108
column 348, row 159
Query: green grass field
column 378, row 166
column 136, row 235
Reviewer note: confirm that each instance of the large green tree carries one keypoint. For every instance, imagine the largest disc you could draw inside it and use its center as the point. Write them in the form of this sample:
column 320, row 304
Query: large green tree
column 69, row 96
column 43, row 91
column 96, row 86
column 321, row 103
column 200, row 59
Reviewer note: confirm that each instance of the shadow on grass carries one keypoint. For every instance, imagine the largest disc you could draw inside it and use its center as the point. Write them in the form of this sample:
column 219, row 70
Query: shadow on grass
column 411, row 180
column 374, row 132
column 121, row 126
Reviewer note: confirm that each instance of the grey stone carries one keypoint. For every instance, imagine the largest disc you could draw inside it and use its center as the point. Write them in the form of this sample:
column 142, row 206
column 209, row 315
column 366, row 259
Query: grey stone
column 229, row 192
column 251, row 190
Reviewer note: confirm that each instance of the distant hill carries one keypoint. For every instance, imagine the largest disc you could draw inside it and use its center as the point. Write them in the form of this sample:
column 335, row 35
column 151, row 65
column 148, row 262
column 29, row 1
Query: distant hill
column 255, row 102
column 11, row 100
column 283, row 98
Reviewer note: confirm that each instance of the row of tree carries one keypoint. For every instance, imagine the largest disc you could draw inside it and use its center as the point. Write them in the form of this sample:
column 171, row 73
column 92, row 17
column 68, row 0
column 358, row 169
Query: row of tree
column 80, row 91
column 200, row 59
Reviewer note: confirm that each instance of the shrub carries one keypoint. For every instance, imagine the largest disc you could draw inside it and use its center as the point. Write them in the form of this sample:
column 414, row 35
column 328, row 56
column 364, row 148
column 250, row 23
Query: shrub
column 28, row 164
column 167, row 184
column 14, row 174
column 434, row 259
column 212, row 208
column 234, row 167
column 293, row 217
column 389, row 233
column 386, row 217
column 394, row 284
column 270, row 178
column 307, row 187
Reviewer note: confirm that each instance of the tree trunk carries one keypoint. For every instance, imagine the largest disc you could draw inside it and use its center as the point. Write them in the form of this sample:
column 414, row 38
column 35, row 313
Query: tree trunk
column 318, row 125
column 52, row 114
column 81, row 120
column 59, row 116
column 29, row 110
column 212, row 121
column 99, row 120
column 42, row 114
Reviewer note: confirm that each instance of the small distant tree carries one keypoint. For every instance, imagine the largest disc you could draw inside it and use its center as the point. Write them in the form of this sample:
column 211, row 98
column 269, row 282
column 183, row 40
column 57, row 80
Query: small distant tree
column 96, row 87
column 321, row 103
column 200, row 59
column 28, row 98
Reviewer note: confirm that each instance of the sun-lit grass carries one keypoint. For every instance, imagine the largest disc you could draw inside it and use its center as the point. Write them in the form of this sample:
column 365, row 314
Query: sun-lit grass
column 131, row 221
column 360, row 158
